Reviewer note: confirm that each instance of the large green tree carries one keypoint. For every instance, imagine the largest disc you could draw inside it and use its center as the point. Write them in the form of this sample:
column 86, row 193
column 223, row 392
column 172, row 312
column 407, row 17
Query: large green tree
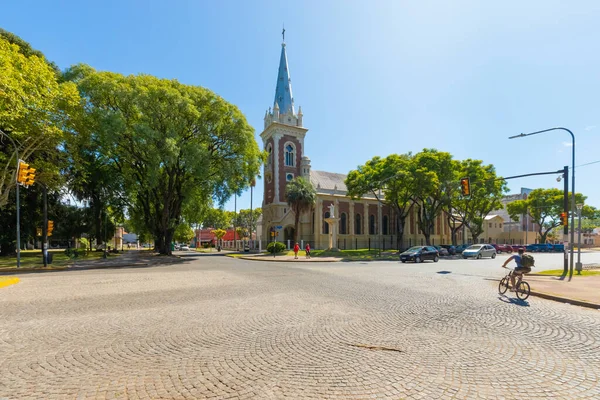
column 393, row 176
column 301, row 197
column 434, row 172
column 172, row 144
column 545, row 206
column 34, row 112
column 247, row 220
column 217, row 218
column 486, row 191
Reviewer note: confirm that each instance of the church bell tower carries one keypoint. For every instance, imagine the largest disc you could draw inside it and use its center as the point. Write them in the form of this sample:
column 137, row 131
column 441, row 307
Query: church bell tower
column 283, row 140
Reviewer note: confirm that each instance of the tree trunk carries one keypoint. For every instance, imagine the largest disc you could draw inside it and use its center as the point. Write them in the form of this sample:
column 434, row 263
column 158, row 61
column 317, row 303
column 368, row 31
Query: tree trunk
column 296, row 224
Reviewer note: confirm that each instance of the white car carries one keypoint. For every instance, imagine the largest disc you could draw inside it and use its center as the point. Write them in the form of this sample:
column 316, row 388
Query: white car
column 479, row 250
column 184, row 248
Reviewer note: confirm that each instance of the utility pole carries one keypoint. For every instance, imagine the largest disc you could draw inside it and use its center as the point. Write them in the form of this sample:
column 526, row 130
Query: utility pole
column 45, row 227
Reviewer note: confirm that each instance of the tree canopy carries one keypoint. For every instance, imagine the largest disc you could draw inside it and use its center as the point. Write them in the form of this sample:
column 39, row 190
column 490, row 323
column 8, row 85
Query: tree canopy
column 173, row 145
column 301, row 197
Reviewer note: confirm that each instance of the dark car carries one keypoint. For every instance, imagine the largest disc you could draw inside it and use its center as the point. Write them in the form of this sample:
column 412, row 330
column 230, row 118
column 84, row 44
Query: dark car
column 539, row 247
column 419, row 254
column 502, row 248
column 461, row 247
column 451, row 249
column 558, row 247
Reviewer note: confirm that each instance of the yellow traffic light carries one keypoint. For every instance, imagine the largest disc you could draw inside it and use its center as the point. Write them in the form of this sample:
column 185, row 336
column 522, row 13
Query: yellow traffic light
column 50, row 227
column 22, row 173
column 465, row 187
column 30, row 177
column 564, row 219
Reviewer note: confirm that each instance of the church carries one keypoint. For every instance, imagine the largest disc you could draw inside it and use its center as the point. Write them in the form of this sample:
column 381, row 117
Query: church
column 358, row 224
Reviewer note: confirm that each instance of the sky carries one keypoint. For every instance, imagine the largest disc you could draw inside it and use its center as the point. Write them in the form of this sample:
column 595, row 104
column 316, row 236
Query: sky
column 373, row 78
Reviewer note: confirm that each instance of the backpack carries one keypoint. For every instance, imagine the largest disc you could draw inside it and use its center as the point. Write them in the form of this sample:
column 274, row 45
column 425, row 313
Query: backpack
column 527, row 260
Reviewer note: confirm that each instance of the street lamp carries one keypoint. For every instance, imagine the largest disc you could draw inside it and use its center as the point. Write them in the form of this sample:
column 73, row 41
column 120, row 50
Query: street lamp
column 578, row 265
column 572, row 183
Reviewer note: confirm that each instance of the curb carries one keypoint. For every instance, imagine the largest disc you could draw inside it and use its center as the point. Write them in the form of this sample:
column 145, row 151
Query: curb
column 269, row 259
column 40, row 269
column 581, row 303
column 11, row 280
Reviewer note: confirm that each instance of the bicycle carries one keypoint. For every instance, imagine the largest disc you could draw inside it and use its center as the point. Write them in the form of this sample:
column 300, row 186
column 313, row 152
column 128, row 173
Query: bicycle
column 522, row 289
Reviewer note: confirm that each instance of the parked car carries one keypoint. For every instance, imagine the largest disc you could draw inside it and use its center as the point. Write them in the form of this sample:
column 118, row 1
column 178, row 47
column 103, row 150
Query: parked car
column 516, row 247
column 558, row 247
column 461, row 247
column 502, row 248
column 479, row 250
column 539, row 248
column 442, row 251
column 419, row 254
column 451, row 249
column 184, row 248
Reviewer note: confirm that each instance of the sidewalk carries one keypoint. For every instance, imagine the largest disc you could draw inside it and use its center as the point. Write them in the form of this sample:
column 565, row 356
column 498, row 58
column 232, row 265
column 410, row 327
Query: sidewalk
column 581, row 290
column 129, row 258
column 286, row 258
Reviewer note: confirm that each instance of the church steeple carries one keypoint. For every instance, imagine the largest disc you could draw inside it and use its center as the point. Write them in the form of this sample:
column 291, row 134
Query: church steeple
column 283, row 91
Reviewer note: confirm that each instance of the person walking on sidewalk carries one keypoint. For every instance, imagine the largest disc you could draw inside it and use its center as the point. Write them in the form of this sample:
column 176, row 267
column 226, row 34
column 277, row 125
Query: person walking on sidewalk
column 307, row 249
column 296, row 250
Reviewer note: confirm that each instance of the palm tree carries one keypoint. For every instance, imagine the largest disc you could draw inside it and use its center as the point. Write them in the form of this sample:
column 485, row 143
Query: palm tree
column 301, row 196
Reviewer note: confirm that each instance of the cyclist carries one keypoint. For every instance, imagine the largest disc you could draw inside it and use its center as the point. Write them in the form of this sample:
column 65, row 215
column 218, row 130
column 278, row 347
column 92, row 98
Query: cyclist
column 519, row 270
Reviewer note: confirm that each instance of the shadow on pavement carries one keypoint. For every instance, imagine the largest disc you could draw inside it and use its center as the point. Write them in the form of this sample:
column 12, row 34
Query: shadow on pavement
column 512, row 300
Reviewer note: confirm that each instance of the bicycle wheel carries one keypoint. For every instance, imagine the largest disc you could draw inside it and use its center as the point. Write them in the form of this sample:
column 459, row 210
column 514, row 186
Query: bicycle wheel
column 503, row 285
column 523, row 290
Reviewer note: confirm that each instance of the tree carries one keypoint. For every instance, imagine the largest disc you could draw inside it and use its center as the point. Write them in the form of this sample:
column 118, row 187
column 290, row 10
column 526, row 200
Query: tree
column 486, row 192
column 219, row 233
column 247, row 220
column 545, row 206
column 391, row 174
column 217, row 218
column 174, row 145
column 434, row 172
column 34, row 109
column 301, row 197
column 183, row 233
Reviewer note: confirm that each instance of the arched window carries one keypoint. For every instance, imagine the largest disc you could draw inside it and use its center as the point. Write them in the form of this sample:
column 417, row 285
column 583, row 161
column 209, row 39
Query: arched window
column 343, row 224
column 290, row 155
column 270, row 158
column 325, row 224
column 371, row 224
column 357, row 224
column 385, row 225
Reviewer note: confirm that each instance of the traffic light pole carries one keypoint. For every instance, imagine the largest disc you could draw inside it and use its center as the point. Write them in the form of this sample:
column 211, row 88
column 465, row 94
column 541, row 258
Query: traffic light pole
column 45, row 226
column 566, row 222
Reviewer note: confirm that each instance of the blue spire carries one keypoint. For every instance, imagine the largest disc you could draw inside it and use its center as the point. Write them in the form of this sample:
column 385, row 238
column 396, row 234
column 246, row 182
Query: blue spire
column 283, row 91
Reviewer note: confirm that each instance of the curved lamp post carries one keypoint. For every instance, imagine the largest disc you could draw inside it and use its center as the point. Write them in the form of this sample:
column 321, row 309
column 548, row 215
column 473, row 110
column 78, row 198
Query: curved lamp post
column 18, row 215
column 572, row 240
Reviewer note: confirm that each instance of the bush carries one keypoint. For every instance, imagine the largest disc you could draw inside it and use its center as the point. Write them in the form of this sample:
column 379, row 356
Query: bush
column 275, row 247
column 75, row 253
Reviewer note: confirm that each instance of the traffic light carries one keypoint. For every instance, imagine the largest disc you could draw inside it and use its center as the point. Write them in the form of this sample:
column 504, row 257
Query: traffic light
column 25, row 175
column 465, row 187
column 30, row 177
column 564, row 219
column 22, row 173
column 50, row 227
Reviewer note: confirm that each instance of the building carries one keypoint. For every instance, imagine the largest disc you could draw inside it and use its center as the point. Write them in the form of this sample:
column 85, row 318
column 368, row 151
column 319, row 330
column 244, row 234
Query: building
column 363, row 223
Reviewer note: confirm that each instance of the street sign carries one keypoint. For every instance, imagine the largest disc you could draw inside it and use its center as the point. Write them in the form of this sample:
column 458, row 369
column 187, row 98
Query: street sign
column 278, row 227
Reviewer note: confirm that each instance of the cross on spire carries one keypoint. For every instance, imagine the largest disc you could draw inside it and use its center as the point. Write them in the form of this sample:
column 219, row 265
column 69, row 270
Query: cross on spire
column 283, row 33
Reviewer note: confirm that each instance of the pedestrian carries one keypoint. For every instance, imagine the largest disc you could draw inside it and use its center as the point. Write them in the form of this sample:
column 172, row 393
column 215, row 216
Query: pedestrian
column 307, row 249
column 296, row 250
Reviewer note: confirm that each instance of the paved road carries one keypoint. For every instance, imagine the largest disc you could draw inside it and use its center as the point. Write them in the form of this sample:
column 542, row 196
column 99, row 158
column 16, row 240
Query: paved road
column 218, row 327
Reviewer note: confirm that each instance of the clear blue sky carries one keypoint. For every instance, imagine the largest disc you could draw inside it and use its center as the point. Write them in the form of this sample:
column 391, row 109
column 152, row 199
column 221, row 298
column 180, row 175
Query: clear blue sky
column 373, row 78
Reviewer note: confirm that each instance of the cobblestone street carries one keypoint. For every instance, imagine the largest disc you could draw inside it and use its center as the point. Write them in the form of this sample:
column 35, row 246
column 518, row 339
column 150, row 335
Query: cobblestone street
column 217, row 327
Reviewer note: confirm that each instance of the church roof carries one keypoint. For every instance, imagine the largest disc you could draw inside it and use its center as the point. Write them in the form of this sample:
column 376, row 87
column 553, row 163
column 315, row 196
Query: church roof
column 283, row 90
column 328, row 182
